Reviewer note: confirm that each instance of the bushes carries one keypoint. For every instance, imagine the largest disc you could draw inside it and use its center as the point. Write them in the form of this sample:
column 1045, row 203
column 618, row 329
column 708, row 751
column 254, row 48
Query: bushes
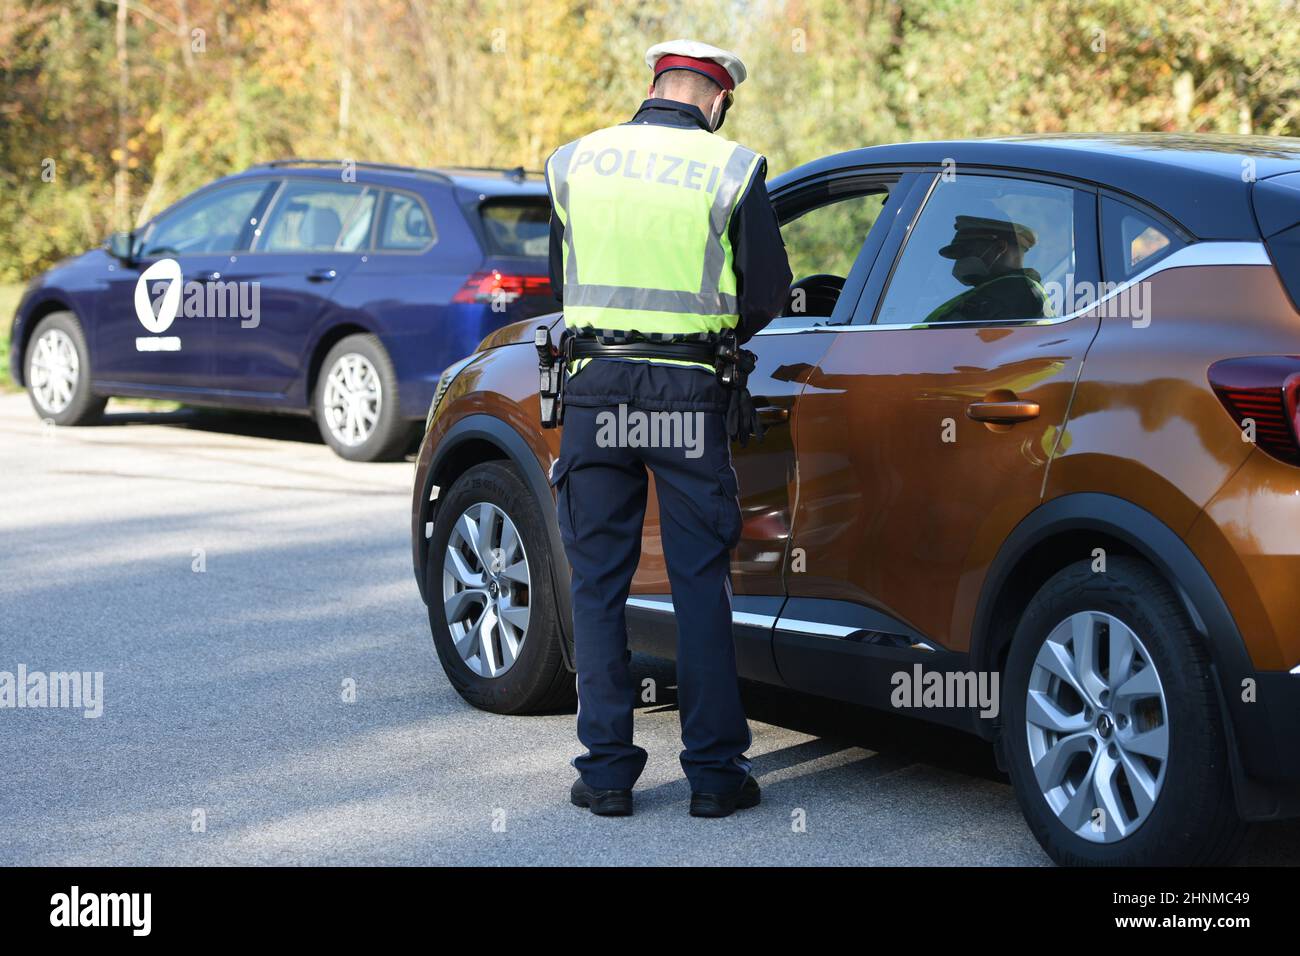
column 485, row 82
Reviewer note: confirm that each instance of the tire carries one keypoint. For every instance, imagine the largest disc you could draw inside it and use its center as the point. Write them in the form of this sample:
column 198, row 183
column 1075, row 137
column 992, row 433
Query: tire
column 56, row 367
column 1168, row 689
column 357, row 375
column 536, row 680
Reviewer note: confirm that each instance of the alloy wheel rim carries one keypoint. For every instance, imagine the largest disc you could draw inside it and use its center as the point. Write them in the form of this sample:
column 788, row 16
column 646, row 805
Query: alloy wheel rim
column 485, row 589
column 1098, row 726
column 352, row 399
column 54, row 371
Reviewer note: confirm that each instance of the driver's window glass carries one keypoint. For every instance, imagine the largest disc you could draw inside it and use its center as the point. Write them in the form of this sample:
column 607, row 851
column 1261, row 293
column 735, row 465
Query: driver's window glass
column 984, row 249
column 212, row 223
column 826, row 240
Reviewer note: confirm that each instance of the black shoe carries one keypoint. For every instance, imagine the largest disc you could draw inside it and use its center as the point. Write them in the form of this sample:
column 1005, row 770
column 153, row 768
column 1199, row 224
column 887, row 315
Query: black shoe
column 603, row 803
column 725, row 804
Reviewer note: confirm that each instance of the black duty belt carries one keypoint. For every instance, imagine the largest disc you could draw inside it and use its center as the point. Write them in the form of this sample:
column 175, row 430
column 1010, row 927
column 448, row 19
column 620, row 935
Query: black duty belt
column 703, row 352
column 731, row 365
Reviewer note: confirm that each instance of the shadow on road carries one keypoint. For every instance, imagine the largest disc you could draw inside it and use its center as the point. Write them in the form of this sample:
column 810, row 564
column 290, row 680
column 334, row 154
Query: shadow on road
column 278, row 427
column 899, row 741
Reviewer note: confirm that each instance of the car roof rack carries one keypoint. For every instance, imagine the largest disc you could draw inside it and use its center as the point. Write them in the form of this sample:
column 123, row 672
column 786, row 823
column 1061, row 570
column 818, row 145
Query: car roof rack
column 517, row 173
column 360, row 164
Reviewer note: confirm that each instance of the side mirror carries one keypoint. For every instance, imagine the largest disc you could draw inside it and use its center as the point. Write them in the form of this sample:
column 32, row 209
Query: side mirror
column 121, row 245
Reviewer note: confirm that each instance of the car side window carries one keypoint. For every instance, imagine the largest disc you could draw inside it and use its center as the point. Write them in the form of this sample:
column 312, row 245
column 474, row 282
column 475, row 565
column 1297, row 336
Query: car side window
column 356, row 228
column 985, row 249
column 826, row 239
column 1133, row 240
column 312, row 216
column 406, row 225
column 824, row 230
column 215, row 222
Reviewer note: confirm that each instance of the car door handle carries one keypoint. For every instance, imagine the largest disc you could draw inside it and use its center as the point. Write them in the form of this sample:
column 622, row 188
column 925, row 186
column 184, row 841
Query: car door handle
column 1002, row 413
column 773, row 414
column 322, row 275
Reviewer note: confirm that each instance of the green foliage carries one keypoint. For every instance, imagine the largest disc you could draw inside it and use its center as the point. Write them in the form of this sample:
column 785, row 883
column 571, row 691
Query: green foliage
column 9, row 296
column 827, row 239
column 500, row 82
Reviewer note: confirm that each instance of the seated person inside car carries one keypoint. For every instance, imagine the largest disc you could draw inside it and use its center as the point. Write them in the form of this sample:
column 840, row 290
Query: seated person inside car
column 988, row 255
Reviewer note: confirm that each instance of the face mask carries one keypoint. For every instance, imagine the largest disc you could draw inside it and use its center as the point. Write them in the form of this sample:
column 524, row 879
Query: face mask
column 969, row 270
column 972, row 270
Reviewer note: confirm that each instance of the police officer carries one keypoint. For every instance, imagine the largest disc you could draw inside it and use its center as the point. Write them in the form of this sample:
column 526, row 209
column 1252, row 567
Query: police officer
column 988, row 255
column 663, row 244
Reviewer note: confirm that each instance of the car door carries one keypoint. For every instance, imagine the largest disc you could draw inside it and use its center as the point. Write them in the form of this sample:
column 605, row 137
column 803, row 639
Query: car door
column 201, row 235
column 929, row 424
column 316, row 232
column 832, row 225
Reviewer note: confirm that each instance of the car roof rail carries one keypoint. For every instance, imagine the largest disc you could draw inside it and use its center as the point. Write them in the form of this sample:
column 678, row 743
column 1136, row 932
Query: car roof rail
column 517, row 173
column 360, row 164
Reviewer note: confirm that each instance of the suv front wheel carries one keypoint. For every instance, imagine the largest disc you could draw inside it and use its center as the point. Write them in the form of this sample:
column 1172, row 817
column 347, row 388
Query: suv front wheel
column 491, row 591
column 1113, row 734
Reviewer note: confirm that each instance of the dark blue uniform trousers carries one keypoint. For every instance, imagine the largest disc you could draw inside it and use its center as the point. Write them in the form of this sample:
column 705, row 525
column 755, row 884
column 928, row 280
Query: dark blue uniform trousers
column 601, row 498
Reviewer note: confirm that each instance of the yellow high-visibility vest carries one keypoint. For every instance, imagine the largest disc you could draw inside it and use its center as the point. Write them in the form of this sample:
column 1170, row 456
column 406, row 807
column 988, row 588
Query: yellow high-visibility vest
column 646, row 211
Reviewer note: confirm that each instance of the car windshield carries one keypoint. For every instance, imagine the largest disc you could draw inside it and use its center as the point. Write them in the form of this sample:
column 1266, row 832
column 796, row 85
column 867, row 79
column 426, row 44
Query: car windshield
column 517, row 227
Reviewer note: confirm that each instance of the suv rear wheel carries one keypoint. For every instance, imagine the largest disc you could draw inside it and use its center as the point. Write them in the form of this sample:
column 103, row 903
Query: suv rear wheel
column 491, row 596
column 1113, row 734
column 58, row 372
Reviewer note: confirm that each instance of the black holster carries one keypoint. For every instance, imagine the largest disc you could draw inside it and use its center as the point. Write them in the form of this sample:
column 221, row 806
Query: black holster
column 552, row 371
column 733, row 366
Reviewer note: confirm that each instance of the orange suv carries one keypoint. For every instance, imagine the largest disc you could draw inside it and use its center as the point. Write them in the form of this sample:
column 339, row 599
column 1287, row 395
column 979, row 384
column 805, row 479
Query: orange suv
column 1032, row 469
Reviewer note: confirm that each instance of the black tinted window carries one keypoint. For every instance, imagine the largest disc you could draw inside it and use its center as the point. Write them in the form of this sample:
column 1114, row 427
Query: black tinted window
column 517, row 227
column 1132, row 240
column 984, row 249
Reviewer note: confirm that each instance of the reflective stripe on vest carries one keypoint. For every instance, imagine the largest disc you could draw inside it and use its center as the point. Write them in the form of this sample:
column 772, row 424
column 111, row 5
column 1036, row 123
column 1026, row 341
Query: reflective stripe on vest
column 646, row 212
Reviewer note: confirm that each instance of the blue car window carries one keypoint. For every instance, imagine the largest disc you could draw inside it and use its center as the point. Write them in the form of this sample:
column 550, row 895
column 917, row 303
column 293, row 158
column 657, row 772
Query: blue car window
column 210, row 223
column 310, row 217
column 406, row 225
column 356, row 230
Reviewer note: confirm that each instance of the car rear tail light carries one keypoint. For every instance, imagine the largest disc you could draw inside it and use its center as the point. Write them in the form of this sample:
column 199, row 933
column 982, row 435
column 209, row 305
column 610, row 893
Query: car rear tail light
column 1263, row 390
column 497, row 286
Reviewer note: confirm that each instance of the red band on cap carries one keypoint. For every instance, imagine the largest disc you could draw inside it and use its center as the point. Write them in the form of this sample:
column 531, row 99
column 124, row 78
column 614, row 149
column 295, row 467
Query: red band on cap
column 710, row 69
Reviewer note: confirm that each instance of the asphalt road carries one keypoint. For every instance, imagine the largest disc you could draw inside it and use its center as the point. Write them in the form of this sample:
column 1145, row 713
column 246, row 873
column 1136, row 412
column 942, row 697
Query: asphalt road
column 224, row 694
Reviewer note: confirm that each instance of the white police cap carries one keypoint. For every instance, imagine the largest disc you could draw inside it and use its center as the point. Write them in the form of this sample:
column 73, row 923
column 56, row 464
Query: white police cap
column 695, row 50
